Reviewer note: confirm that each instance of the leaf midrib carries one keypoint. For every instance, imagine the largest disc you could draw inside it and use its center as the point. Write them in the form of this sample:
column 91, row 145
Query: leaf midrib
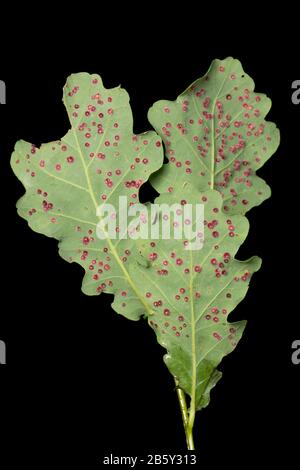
column 194, row 355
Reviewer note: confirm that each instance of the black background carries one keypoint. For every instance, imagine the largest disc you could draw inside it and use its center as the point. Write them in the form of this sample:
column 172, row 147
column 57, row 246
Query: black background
column 82, row 382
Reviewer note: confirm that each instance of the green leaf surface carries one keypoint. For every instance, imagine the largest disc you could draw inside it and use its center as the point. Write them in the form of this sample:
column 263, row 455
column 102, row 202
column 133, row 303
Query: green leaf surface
column 216, row 137
column 192, row 292
column 98, row 160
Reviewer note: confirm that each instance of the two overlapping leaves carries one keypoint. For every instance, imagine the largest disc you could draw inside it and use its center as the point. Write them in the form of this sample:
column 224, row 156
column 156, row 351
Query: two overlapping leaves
column 215, row 138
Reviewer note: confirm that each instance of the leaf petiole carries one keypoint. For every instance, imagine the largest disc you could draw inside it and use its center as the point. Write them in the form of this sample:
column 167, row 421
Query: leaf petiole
column 187, row 419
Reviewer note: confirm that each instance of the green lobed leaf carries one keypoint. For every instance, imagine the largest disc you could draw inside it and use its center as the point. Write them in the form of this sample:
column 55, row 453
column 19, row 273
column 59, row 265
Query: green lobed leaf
column 192, row 292
column 216, row 137
column 98, row 160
